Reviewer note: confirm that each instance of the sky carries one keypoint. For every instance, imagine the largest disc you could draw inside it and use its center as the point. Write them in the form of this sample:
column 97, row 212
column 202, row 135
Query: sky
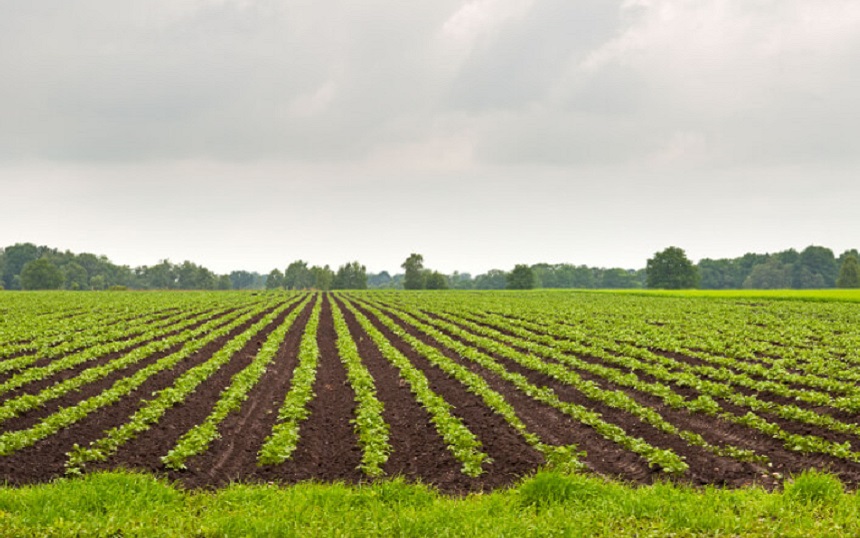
column 246, row 134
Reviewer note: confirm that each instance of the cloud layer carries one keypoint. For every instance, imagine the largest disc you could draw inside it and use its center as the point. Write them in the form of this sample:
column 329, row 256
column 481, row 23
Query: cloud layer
column 584, row 107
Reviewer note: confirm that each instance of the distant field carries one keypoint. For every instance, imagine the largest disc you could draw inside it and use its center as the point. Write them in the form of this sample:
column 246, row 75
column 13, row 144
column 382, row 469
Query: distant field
column 467, row 391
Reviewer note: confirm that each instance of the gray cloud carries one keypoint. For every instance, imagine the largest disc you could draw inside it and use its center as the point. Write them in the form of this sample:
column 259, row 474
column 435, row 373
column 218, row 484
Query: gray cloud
column 441, row 116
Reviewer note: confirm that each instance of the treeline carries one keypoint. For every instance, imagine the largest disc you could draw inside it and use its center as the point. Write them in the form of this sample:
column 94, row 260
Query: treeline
column 27, row 266
column 814, row 267
column 298, row 276
column 541, row 275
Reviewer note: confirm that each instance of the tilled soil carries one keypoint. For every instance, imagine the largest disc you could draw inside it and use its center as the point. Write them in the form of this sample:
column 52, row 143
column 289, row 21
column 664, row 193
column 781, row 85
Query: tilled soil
column 329, row 448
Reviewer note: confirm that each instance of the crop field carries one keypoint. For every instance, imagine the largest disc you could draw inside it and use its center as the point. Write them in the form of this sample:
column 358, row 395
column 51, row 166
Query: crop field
column 467, row 391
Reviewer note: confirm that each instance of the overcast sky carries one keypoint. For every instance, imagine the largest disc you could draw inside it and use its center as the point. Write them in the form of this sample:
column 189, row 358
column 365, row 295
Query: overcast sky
column 245, row 134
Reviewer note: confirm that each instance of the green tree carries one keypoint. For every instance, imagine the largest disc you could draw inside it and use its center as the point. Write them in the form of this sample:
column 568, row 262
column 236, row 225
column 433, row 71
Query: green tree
column 771, row 275
column 521, row 278
column 617, row 278
column 816, row 267
column 434, row 280
column 494, row 279
column 76, row 276
column 323, row 277
column 298, row 276
column 275, row 280
column 41, row 274
column 849, row 273
column 351, row 276
column 671, row 270
column 98, row 282
column 414, row 267
column 14, row 260
column 718, row 274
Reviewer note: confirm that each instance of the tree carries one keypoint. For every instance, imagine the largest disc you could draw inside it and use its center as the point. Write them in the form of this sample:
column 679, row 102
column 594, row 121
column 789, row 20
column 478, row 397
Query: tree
column 617, row 278
column 275, row 280
column 718, row 274
column 816, row 267
column 434, row 280
column 41, row 274
column 323, row 277
column 849, row 273
column 352, row 276
column 243, row 280
column 380, row 280
column 494, row 279
column 414, row 267
column 671, row 270
column 298, row 276
column 771, row 275
column 521, row 278
column 76, row 276
column 15, row 258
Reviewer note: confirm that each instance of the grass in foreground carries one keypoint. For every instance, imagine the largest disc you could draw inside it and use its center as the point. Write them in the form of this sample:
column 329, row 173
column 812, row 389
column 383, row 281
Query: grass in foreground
column 548, row 504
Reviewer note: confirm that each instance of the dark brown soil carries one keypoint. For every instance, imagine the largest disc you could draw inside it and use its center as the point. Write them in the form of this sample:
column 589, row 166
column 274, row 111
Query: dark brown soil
column 329, row 448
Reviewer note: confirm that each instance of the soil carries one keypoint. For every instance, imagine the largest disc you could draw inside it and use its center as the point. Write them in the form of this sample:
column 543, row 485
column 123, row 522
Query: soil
column 329, row 448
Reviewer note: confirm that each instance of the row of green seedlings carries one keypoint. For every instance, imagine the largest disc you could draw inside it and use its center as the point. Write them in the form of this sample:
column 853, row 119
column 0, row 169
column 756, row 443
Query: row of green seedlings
column 723, row 389
column 806, row 340
column 98, row 314
column 462, row 443
column 661, row 368
column 12, row 441
column 44, row 333
column 198, row 439
column 370, row 426
column 663, row 459
column 836, row 377
column 281, row 443
column 102, row 315
column 533, row 356
column 560, row 456
column 183, row 387
column 776, row 377
column 23, row 403
column 28, row 317
column 149, row 334
column 734, row 365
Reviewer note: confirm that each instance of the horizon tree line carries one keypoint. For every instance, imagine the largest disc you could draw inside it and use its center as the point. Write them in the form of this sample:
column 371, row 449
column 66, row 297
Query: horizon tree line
column 27, row 266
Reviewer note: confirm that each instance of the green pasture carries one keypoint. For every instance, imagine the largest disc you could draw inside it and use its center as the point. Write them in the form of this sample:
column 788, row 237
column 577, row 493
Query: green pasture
column 547, row 504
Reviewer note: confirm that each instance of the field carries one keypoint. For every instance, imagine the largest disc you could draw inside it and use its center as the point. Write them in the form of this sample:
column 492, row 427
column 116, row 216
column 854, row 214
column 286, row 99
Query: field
column 463, row 391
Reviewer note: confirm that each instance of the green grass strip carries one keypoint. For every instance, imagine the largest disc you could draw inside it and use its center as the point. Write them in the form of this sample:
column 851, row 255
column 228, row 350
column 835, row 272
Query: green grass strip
column 812, row 505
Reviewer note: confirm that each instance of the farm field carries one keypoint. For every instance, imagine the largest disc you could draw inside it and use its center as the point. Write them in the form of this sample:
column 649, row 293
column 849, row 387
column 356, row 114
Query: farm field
column 465, row 391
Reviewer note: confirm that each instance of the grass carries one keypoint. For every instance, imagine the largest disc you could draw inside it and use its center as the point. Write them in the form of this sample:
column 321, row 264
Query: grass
column 547, row 504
